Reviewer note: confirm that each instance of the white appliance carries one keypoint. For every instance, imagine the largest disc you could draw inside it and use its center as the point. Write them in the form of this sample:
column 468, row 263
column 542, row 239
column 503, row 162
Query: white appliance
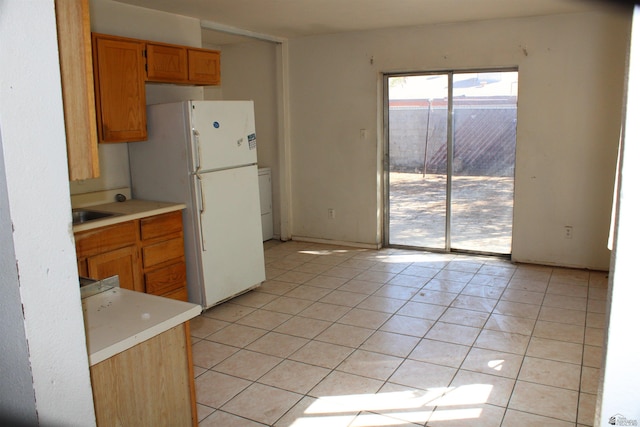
column 266, row 211
column 203, row 154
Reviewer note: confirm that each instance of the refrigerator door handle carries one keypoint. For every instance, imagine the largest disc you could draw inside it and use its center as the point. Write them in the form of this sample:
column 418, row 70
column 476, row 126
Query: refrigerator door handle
column 196, row 137
column 201, row 208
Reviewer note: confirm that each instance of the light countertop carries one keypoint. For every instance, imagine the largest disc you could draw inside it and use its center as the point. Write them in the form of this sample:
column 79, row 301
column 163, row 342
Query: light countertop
column 127, row 211
column 118, row 319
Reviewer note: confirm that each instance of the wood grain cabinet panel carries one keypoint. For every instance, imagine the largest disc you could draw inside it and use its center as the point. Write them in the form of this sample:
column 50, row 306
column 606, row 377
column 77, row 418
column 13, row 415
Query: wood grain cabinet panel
column 166, row 63
column 119, row 86
column 123, row 262
column 204, row 66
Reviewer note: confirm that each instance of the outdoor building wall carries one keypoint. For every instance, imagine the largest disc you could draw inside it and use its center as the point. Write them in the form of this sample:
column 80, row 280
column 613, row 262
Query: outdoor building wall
column 571, row 71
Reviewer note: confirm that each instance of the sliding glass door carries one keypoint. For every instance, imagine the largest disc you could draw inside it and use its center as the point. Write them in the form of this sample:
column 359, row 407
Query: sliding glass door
column 450, row 160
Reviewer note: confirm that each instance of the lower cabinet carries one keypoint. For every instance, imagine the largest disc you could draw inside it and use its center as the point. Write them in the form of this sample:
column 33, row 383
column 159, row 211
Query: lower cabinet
column 147, row 254
column 150, row 384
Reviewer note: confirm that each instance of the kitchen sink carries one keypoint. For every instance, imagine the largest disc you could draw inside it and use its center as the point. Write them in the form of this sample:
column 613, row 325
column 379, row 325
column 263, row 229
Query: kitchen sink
column 84, row 215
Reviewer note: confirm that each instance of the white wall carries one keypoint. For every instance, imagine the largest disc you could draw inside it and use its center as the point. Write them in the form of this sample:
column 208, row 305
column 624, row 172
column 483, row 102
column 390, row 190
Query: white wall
column 571, row 69
column 249, row 72
column 110, row 17
column 620, row 373
column 44, row 365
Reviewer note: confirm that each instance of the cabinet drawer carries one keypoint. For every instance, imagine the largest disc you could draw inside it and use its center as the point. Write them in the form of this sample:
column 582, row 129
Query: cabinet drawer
column 161, row 252
column 160, row 225
column 166, row 279
column 180, row 295
column 104, row 239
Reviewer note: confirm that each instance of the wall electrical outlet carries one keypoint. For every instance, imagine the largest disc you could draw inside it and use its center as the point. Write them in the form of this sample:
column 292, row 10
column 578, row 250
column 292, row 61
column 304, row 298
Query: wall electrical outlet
column 332, row 213
column 568, row 232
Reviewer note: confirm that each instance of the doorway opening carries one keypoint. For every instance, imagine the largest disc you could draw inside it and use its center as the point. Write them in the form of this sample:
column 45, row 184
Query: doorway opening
column 450, row 160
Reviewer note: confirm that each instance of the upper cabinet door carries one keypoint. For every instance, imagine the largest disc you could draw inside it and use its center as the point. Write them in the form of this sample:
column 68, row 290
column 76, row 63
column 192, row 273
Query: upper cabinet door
column 166, row 63
column 204, row 66
column 120, row 94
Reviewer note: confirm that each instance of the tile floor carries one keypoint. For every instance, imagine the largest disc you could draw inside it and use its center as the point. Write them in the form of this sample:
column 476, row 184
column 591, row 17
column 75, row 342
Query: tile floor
column 340, row 336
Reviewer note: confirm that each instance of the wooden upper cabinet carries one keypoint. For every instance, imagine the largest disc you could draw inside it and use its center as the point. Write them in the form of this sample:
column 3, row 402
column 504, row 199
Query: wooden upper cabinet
column 119, row 85
column 204, row 66
column 76, row 72
column 166, row 63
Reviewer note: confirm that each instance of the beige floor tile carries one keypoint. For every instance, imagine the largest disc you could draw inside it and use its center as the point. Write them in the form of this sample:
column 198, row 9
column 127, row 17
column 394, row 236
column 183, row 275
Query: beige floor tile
column 276, row 344
column 390, row 343
column 264, row 319
column 262, row 403
column 445, row 285
column 221, row 418
column 530, row 285
column 470, row 388
column 408, row 280
column 597, row 306
column 228, row 312
column 481, row 415
column 389, row 265
column 525, row 297
column 304, row 327
column 237, row 335
column 592, row 356
column 328, row 282
column 450, row 332
column 545, row 400
column 423, row 375
column 594, row 337
column 502, row 341
column 359, row 263
column 517, row 309
column 586, row 409
column 562, row 315
column 287, row 305
column 306, row 292
column 369, row 364
column 322, row 354
column 533, row 272
column 421, row 310
column 247, row 364
column 464, row 317
column 468, row 266
column 207, row 353
column 254, row 299
column 454, row 276
column 343, row 272
column 598, row 293
column 434, row 297
column 559, row 331
column 312, row 412
column 405, row 403
column 364, row 318
column 368, row 419
column 346, row 335
column 595, row 320
column 550, row 372
column 514, row 418
column 421, row 271
column 214, row 389
column 567, row 289
column 325, row 311
column 516, row 325
column 440, row 353
column 360, row 286
column 297, row 277
column 590, row 380
column 375, row 276
column 488, row 280
column 555, row 350
column 344, row 384
column 397, row 292
column 406, row 325
column 470, row 302
column 272, row 272
column 203, row 411
column 197, row 371
column 348, row 299
column 564, row 301
column 385, row 305
column 276, row 287
column 498, row 270
column 569, row 276
column 493, row 362
column 312, row 267
column 294, row 376
column 493, row 292
column 202, row 326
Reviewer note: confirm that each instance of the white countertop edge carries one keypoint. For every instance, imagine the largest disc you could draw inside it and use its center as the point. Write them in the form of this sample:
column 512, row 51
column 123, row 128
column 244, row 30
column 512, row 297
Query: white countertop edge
column 124, row 217
column 112, row 350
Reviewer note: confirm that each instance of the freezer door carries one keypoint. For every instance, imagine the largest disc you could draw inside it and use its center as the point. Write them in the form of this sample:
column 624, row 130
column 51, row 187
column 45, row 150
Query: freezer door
column 224, row 133
column 232, row 252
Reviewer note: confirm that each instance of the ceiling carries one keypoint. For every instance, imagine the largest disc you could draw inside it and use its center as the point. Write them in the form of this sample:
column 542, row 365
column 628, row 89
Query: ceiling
column 299, row 18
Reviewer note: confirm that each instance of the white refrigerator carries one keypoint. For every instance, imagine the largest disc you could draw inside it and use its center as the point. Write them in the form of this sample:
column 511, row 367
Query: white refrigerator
column 203, row 154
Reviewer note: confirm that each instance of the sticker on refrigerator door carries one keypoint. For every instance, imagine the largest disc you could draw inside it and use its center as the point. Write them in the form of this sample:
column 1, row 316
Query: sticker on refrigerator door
column 216, row 125
column 252, row 141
